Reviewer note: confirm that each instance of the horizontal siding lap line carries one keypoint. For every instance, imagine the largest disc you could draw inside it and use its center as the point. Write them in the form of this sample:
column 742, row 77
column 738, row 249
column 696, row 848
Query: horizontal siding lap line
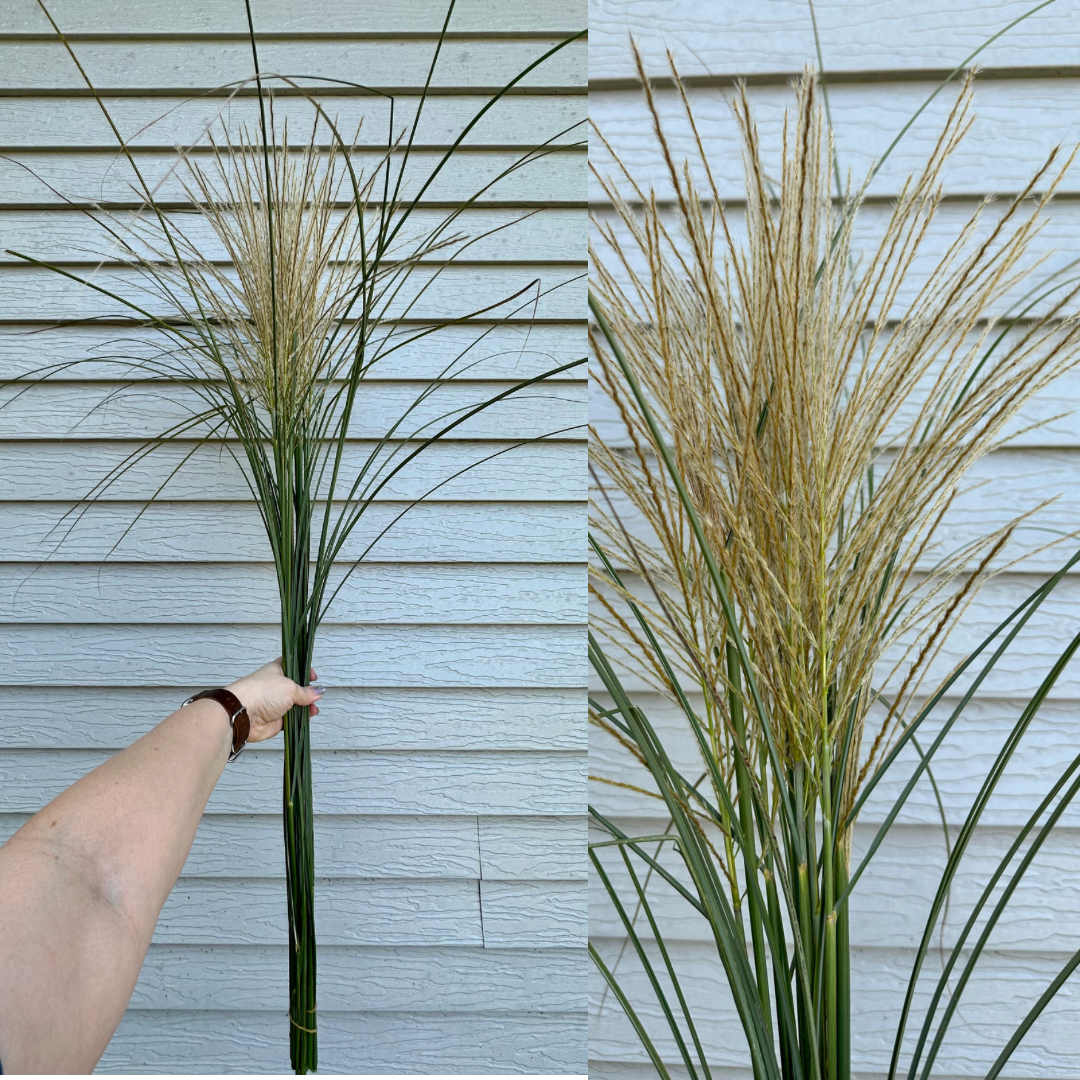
column 450, row 1013
column 166, row 37
column 12, row 266
column 979, row 323
column 571, row 952
column 161, row 148
column 834, row 77
column 540, row 884
column 558, row 437
column 268, row 564
column 572, row 378
column 577, row 201
column 569, row 684
column 71, row 378
column 8, row 263
column 121, row 563
column 210, row 89
column 218, row 503
column 255, row 751
column 1010, row 952
column 129, row 324
column 344, row 624
column 600, row 206
column 374, row 152
column 247, row 503
column 512, row 203
column 258, row 563
column 480, row 92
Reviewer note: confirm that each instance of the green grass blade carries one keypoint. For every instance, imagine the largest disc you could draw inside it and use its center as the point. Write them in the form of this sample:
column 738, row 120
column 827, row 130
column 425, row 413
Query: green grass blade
column 998, row 910
column 1033, row 1014
column 669, row 966
column 730, row 941
column 1023, row 612
column 963, row 839
column 646, row 963
column 631, row 1014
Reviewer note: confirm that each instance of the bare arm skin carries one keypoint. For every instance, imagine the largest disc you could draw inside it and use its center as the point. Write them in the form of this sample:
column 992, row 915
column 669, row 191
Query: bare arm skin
column 83, row 881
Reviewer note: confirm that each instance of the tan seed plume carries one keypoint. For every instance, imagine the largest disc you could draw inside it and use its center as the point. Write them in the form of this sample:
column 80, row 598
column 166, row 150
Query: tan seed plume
column 823, row 410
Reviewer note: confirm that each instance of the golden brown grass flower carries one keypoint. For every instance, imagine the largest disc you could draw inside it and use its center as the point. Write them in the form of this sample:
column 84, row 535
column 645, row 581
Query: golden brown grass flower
column 822, row 411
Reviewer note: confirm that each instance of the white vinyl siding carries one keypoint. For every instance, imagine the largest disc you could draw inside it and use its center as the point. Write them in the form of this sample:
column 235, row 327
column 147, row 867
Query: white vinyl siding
column 449, row 756
column 884, row 58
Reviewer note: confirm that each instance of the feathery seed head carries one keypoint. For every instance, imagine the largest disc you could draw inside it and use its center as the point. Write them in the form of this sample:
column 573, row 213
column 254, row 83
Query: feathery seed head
column 822, row 412
column 295, row 258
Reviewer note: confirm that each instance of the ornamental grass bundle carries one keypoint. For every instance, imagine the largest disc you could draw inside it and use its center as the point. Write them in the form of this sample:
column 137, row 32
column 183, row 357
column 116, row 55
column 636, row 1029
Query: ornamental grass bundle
column 796, row 422
column 304, row 285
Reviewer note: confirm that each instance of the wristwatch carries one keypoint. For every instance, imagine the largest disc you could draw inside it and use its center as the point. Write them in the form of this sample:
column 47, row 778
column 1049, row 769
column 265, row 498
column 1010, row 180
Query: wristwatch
column 239, row 720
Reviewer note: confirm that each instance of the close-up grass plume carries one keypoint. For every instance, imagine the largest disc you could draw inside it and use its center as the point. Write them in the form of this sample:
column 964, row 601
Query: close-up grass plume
column 796, row 408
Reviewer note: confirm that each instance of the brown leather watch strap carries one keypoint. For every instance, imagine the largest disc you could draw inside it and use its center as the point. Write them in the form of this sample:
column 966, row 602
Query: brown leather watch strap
column 238, row 717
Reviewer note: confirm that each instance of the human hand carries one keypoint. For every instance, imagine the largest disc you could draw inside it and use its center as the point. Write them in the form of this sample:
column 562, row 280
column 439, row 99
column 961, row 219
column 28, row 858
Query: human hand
column 268, row 694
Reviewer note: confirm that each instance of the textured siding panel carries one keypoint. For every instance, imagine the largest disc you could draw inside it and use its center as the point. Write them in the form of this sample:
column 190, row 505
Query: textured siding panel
column 900, row 38
column 1036, row 115
column 77, row 122
column 498, row 472
column 376, row 1041
column 194, row 66
column 449, row 757
column 347, row 782
column 54, row 410
column 460, row 980
column 232, row 532
column 455, row 290
column 884, row 59
column 297, row 18
column 507, row 351
column 368, row 718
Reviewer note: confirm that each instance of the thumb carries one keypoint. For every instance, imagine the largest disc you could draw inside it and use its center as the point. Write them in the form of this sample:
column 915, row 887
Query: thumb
column 307, row 695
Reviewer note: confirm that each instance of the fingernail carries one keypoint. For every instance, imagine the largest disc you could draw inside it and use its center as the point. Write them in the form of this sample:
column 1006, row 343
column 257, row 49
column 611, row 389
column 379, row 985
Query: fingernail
column 318, row 689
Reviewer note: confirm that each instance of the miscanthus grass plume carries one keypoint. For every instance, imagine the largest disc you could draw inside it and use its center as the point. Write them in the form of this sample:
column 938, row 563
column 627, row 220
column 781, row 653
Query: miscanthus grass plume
column 798, row 409
column 292, row 274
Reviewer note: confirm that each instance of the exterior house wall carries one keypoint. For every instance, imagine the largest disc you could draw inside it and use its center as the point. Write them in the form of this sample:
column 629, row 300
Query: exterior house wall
column 448, row 759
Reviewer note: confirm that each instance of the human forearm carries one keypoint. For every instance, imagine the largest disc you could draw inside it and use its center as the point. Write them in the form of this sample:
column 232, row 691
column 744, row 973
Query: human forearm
column 84, row 883
column 132, row 820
